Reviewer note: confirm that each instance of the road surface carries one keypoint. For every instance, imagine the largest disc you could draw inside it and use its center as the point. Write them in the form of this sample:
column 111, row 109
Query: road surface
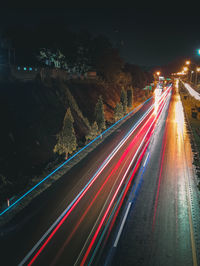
column 163, row 222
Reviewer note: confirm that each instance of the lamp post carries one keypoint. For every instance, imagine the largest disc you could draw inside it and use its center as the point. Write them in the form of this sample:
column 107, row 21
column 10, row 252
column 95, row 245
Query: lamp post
column 185, row 70
column 191, row 75
column 196, row 77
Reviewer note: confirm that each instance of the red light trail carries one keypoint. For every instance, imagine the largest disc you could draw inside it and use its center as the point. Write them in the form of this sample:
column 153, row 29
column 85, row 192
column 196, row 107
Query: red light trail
column 146, row 129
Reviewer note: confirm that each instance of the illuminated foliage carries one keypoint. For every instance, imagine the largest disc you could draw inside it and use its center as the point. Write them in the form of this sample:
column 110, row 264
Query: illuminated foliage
column 66, row 138
column 52, row 58
column 118, row 112
column 93, row 132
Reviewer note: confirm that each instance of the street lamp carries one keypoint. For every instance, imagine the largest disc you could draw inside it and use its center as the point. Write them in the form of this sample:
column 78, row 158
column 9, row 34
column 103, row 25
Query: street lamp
column 158, row 73
column 187, row 62
column 196, row 78
column 191, row 75
column 198, row 51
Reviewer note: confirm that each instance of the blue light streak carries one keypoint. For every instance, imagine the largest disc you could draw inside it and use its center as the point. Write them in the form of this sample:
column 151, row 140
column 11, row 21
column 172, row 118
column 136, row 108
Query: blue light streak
column 69, row 159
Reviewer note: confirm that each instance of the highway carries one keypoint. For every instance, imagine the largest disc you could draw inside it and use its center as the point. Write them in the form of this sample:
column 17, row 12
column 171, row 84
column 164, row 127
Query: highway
column 69, row 223
column 163, row 223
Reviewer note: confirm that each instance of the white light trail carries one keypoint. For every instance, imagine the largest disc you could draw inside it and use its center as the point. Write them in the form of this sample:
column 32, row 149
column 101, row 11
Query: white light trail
column 194, row 93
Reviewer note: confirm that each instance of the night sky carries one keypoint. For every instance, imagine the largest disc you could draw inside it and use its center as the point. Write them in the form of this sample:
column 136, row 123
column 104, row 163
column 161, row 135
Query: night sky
column 147, row 37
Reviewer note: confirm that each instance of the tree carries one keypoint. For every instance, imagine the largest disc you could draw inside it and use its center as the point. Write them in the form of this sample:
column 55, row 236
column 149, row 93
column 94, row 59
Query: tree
column 123, row 100
column 52, row 58
column 118, row 112
column 66, row 138
column 93, row 132
column 130, row 97
column 99, row 114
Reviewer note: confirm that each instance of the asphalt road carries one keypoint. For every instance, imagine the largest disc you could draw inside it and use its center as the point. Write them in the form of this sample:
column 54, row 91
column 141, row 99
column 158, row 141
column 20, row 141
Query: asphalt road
column 163, row 220
column 58, row 228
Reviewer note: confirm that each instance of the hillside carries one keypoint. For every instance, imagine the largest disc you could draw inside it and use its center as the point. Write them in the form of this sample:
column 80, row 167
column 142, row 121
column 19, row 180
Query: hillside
column 32, row 115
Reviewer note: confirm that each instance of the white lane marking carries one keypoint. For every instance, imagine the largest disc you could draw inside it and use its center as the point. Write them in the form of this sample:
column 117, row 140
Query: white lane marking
column 122, row 226
column 146, row 159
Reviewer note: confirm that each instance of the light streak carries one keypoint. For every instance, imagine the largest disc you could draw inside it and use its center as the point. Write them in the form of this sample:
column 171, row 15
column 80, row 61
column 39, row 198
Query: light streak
column 66, row 213
column 73, row 204
column 112, row 200
column 129, row 166
column 112, row 172
column 126, row 190
column 192, row 92
column 120, row 201
column 109, row 207
column 97, row 194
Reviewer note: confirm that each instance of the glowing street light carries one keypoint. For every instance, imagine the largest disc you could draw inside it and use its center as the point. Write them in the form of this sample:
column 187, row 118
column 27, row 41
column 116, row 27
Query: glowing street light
column 187, row 62
column 198, row 51
column 185, row 69
column 192, row 71
column 158, row 73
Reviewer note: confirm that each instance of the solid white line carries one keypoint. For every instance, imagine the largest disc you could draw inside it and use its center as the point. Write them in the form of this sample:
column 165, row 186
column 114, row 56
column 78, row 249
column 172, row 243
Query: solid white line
column 146, row 159
column 122, row 226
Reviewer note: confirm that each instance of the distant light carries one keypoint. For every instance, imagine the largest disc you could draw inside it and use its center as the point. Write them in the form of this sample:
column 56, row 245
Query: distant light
column 158, row 73
column 198, row 51
column 187, row 62
column 25, row 68
column 18, row 68
column 30, row 69
column 185, row 68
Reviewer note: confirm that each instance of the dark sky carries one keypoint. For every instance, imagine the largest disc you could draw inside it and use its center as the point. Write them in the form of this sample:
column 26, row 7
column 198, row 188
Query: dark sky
column 145, row 36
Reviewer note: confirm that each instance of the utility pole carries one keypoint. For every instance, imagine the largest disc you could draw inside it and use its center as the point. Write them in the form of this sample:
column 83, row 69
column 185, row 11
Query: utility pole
column 196, row 76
